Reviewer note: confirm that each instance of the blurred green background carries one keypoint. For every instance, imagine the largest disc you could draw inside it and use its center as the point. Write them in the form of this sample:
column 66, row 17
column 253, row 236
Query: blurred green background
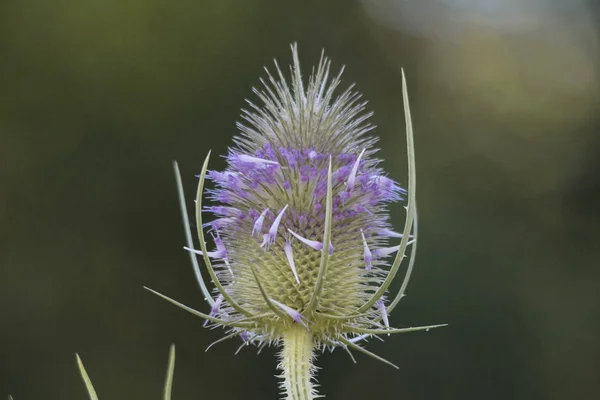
column 98, row 97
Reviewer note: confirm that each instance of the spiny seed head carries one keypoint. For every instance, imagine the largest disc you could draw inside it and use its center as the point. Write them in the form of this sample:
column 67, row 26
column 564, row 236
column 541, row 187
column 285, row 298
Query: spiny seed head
column 296, row 151
column 301, row 225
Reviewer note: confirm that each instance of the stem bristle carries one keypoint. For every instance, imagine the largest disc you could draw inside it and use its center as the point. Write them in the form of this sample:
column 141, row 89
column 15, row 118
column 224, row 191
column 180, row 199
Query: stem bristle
column 296, row 364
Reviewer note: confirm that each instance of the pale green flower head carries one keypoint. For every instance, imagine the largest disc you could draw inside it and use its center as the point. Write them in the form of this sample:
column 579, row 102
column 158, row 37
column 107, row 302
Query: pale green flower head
column 302, row 251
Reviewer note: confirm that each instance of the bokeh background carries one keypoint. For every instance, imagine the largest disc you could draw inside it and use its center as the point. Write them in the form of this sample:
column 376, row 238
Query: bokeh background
column 98, row 97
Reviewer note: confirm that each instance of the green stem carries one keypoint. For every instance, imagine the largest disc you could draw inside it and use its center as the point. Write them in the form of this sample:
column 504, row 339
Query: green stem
column 296, row 363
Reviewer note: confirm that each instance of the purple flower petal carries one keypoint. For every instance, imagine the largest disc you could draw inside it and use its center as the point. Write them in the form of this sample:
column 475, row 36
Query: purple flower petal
column 254, row 160
column 265, row 240
column 214, row 310
column 385, row 251
column 383, row 311
column 259, row 222
column 219, row 223
column 295, row 315
column 224, row 211
column 219, row 243
column 352, row 177
column 274, row 227
column 211, row 254
column 340, row 175
column 366, row 253
column 311, row 243
column 389, row 233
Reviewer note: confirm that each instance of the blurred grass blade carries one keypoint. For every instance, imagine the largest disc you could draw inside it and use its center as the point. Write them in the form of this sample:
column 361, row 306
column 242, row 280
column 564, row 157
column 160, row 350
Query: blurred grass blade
column 170, row 370
column 86, row 379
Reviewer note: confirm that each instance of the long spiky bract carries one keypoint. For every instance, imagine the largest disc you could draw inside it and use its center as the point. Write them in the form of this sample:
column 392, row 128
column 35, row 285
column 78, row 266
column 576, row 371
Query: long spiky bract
column 409, row 269
column 300, row 228
column 326, row 239
column 188, row 235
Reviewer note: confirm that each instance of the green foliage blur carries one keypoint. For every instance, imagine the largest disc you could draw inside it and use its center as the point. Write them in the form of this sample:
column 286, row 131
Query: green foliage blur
column 98, row 97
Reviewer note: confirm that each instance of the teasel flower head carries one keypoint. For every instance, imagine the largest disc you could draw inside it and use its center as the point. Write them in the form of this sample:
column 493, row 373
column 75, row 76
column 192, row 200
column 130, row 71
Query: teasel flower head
column 303, row 251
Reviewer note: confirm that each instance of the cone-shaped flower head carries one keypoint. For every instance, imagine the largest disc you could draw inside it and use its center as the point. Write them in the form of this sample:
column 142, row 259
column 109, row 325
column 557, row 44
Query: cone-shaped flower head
column 272, row 206
column 301, row 225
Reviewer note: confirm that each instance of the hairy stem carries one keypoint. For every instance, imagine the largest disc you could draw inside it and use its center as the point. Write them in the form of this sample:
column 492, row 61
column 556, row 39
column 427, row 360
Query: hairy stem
column 296, row 364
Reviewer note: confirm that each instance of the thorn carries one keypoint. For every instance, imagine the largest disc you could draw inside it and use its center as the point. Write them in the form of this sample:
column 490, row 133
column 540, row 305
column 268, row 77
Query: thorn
column 366, row 253
column 295, row 315
column 275, row 227
column 383, row 311
column 311, row 243
column 259, row 222
column 290, row 257
column 255, row 160
column 352, row 178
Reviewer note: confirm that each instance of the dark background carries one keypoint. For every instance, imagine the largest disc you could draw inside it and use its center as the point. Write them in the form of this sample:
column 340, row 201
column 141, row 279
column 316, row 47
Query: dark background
column 97, row 98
